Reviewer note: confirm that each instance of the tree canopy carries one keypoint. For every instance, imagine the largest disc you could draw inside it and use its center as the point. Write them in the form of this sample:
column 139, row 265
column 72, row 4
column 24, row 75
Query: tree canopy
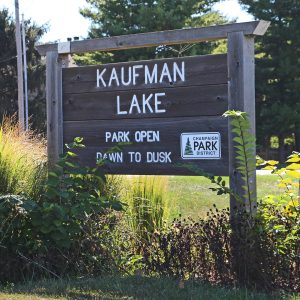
column 278, row 69
column 8, row 70
column 112, row 18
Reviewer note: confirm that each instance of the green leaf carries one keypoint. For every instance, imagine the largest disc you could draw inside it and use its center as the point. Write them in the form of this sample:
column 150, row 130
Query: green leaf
column 294, row 174
column 238, row 140
column 78, row 140
column 52, row 174
column 269, row 168
column 293, row 166
column 53, row 181
column 272, row 162
column 71, row 154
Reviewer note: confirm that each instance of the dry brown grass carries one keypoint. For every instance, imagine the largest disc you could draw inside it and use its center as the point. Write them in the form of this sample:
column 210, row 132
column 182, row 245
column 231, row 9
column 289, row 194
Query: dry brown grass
column 22, row 160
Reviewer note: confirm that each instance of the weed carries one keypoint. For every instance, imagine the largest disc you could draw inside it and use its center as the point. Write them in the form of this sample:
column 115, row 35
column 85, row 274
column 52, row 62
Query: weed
column 22, row 161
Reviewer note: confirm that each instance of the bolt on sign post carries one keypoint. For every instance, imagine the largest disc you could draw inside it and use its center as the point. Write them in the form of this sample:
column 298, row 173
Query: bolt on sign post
column 167, row 112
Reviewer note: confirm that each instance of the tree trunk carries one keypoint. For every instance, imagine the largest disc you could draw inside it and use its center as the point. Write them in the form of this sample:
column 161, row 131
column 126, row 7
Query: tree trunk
column 297, row 138
column 282, row 157
column 267, row 148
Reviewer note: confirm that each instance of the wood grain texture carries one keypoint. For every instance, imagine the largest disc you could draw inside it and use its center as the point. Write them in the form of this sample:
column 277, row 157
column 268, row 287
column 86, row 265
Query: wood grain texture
column 170, row 130
column 241, row 93
column 200, row 70
column 54, row 107
column 168, row 37
column 177, row 102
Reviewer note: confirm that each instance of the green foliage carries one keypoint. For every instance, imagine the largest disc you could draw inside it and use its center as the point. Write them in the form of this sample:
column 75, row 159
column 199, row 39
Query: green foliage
column 278, row 69
column 261, row 252
column 14, row 210
column 74, row 193
column 288, row 180
column 68, row 220
column 286, row 229
column 113, row 18
column 222, row 189
column 119, row 287
column 244, row 144
column 8, row 70
column 147, row 203
column 22, row 161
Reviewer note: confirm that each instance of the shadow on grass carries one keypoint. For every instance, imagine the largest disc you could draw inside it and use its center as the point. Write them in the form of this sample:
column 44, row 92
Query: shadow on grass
column 133, row 287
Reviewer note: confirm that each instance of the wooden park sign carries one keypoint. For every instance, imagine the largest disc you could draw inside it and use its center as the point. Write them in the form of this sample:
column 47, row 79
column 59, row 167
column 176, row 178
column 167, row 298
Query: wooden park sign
column 168, row 112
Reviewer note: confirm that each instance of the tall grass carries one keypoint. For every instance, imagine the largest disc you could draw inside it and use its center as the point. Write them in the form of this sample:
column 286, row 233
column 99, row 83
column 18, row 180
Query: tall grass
column 148, row 207
column 22, row 161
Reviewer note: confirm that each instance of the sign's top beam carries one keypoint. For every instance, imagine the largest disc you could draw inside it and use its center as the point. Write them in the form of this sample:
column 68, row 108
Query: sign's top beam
column 168, row 37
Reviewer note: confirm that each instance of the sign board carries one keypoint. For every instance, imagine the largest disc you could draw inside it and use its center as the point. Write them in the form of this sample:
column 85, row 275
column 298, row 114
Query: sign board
column 166, row 113
column 200, row 145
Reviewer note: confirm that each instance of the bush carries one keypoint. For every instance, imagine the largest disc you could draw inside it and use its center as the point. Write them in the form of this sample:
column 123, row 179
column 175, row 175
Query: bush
column 147, row 206
column 263, row 253
column 22, row 161
column 65, row 230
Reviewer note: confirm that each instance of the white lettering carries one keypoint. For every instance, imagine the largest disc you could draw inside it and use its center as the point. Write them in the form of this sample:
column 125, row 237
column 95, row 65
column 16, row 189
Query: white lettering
column 134, row 103
column 135, row 75
column 116, row 157
column 119, row 111
column 114, row 76
column 98, row 156
column 99, row 77
column 151, row 78
column 146, row 102
column 159, row 157
column 117, row 136
column 176, row 71
column 147, row 136
column 135, row 157
column 165, row 72
column 123, row 76
column 107, row 136
column 157, row 102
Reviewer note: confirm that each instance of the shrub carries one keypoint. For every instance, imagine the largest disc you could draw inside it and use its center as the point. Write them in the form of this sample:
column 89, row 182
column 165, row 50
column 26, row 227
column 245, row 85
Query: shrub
column 260, row 250
column 22, row 161
column 147, row 203
column 65, row 230
column 264, row 254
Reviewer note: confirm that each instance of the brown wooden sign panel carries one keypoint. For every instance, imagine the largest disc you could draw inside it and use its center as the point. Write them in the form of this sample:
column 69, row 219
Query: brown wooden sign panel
column 175, row 102
column 196, row 70
column 154, row 147
column 168, row 112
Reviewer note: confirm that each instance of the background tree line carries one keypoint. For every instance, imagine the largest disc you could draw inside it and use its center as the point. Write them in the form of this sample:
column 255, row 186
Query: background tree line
column 277, row 52
column 8, row 70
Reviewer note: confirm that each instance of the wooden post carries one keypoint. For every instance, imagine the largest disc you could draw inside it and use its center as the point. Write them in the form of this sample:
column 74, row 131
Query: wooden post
column 241, row 96
column 54, row 107
column 55, row 62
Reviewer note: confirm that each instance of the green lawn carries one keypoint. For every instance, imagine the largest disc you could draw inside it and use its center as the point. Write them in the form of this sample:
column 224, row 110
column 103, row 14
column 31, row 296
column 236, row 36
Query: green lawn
column 191, row 196
column 129, row 288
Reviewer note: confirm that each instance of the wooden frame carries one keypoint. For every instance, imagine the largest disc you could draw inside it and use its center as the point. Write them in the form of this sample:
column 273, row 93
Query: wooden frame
column 240, row 60
column 151, row 39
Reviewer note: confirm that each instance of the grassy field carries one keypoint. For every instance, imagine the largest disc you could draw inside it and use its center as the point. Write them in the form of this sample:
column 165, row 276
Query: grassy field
column 191, row 196
column 129, row 288
column 188, row 196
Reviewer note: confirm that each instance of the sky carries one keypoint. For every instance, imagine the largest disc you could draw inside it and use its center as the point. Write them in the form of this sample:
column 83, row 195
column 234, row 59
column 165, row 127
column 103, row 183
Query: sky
column 64, row 19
